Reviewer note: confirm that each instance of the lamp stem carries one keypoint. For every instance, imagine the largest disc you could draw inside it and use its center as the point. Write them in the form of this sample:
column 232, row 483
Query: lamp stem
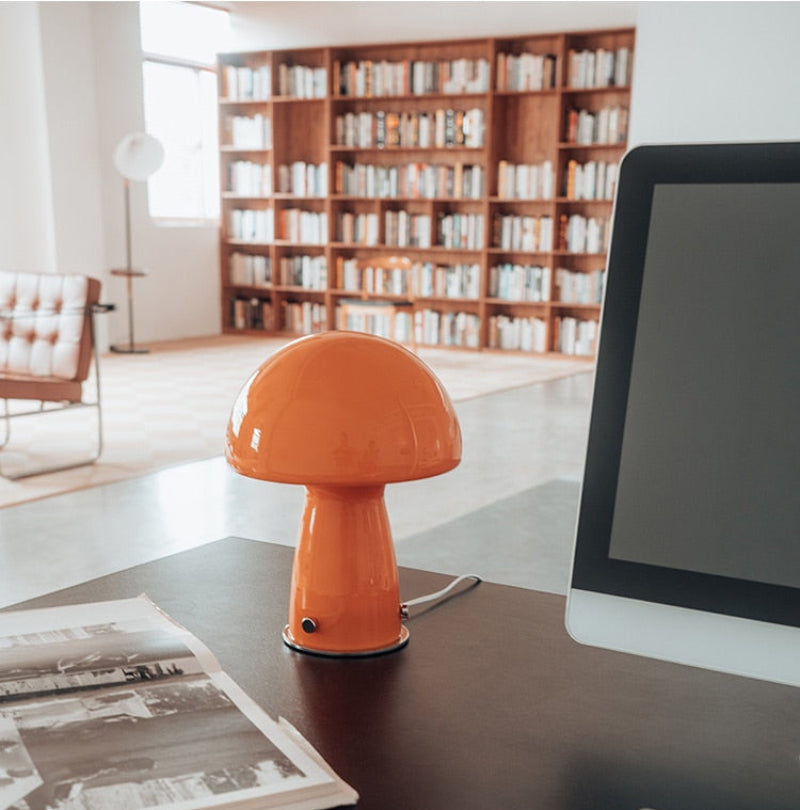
column 345, row 574
column 129, row 261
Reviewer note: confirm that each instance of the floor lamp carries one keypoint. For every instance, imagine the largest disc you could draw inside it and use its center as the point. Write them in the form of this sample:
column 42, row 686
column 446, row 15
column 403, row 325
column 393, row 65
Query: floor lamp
column 136, row 157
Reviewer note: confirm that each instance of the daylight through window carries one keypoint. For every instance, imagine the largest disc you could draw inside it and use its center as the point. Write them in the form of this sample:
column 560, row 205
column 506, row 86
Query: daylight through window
column 180, row 41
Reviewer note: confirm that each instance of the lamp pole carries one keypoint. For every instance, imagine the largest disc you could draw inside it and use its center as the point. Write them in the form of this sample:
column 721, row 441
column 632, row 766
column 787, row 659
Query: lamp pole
column 129, row 272
column 136, row 157
column 129, row 260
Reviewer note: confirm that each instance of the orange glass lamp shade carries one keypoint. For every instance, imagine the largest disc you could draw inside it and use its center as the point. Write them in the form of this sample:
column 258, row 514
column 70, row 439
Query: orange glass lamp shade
column 344, row 413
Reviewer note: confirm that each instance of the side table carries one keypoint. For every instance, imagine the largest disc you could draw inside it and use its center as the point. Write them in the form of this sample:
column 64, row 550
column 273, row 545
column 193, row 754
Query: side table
column 129, row 274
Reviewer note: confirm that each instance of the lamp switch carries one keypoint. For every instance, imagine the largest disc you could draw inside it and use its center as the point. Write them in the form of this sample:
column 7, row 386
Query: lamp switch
column 308, row 624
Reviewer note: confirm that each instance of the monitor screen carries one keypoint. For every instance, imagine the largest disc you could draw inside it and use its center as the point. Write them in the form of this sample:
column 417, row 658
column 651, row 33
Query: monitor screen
column 690, row 506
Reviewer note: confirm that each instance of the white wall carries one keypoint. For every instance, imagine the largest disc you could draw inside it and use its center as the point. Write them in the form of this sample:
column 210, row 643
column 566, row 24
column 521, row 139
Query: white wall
column 73, row 147
column 71, row 75
column 27, row 234
column 306, row 24
column 712, row 71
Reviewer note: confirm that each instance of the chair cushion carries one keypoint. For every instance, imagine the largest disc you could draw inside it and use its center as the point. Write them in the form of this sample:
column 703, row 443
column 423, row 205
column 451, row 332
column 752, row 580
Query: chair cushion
column 45, row 326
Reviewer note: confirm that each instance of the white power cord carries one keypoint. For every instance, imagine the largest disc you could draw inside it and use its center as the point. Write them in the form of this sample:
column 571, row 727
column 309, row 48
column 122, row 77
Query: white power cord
column 440, row 596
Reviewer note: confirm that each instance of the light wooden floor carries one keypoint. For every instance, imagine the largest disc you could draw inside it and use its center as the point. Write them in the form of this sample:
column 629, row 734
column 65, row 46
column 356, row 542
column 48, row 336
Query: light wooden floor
column 513, row 441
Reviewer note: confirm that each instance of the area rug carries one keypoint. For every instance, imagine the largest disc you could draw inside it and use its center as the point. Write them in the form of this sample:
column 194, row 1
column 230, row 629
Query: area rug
column 171, row 405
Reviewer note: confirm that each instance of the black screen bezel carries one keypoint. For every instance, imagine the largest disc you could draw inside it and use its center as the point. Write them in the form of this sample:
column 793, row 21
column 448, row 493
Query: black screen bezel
column 642, row 169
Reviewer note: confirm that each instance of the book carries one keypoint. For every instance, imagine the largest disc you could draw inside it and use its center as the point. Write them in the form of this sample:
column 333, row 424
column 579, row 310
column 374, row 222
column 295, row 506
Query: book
column 115, row 705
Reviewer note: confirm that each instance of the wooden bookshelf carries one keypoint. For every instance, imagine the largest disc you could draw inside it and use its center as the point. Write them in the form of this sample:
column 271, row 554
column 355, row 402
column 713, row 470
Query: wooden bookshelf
column 487, row 165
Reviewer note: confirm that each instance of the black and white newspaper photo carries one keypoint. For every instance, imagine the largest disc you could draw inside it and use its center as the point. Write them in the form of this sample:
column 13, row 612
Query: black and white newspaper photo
column 113, row 705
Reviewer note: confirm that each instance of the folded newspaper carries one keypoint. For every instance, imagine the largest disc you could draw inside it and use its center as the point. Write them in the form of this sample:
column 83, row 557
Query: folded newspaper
column 114, row 705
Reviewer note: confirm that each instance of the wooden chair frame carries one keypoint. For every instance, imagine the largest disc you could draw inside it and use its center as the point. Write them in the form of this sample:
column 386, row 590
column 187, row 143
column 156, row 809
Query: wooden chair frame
column 55, row 394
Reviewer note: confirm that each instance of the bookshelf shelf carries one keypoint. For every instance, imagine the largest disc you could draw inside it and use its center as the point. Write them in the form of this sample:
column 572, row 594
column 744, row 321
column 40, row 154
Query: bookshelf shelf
column 475, row 162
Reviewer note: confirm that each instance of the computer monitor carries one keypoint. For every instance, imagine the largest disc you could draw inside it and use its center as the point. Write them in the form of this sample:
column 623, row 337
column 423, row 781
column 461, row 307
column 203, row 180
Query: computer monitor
column 688, row 536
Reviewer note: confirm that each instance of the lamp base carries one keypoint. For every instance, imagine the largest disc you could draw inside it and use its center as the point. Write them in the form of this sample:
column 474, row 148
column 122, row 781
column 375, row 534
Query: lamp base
column 126, row 349
column 289, row 641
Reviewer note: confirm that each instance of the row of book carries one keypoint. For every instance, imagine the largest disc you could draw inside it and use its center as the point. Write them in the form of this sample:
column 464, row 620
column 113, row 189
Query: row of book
column 530, row 234
column 461, row 231
column 252, row 313
column 522, row 181
column 297, row 317
column 308, row 272
column 603, row 67
column 575, row 336
column 428, row 326
column 519, row 282
column 249, row 178
column 246, row 83
column 437, row 328
column 592, row 180
column 371, row 78
column 608, row 125
column 426, row 129
column 299, row 226
column 449, row 280
column 507, row 281
column 579, row 288
column 517, row 333
column 402, row 228
column 247, row 131
column 291, row 224
column 571, row 336
column 422, row 279
column 254, row 179
column 249, row 270
column 353, row 276
column 303, row 179
column 580, row 234
column 357, row 228
column 252, row 224
column 382, row 319
column 304, row 317
column 302, row 81
column 526, row 71
column 368, row 78
column 405, row 229
column 411, row 180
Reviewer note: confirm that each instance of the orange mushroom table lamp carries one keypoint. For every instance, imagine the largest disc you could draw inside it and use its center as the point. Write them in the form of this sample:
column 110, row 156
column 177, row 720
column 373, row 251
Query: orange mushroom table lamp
column 344, row 413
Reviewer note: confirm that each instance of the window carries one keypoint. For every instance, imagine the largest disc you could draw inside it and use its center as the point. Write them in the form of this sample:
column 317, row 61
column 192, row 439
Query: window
column 180, row 42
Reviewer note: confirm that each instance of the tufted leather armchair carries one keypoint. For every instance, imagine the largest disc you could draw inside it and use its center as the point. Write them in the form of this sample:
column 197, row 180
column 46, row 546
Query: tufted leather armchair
column 47, row 347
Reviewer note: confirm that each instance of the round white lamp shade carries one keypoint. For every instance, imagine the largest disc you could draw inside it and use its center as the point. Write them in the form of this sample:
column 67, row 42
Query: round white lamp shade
column 138, row 155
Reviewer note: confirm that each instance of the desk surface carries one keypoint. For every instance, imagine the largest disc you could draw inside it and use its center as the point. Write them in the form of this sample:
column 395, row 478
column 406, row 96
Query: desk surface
column 491, row 705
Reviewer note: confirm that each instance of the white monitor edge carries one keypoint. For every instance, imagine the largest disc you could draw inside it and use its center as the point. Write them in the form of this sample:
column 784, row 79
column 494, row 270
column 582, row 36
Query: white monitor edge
column 724, row 643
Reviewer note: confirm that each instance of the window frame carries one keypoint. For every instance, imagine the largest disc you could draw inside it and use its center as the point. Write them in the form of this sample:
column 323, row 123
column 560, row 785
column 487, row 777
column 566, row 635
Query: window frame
column 197, row 67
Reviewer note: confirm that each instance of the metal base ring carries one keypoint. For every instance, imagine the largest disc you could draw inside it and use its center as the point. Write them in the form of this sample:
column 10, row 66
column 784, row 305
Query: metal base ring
column 289, row 641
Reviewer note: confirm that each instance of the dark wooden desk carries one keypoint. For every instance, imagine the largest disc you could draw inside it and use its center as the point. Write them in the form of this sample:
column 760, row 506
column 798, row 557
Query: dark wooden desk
column 491, row 705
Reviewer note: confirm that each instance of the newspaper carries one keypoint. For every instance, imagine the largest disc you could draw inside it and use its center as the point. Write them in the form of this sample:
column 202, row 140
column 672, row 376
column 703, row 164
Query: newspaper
column 114, row 705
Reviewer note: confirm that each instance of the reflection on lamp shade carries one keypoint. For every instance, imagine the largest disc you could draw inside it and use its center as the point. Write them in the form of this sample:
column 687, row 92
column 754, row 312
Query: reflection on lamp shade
column 138, row 155
column 343, row 408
